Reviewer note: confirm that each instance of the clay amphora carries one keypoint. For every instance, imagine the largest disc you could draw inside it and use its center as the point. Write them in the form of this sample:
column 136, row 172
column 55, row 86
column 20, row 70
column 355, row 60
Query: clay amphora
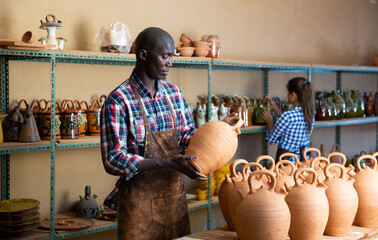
column 88, row 207
column 13, row 126
column 369, row 105
column 262, row 213
column 69, row 127
column 357, row 98
column 234, row 198
column 350, row 106
column 214, row 144
column 93, row 115
column 82, row 116
column 342, row 199
column 29, row 130
column 318, row 164
column 307, row 161
column 283, row 177
column 226, row 188
column 308, row 206
column 287, row 169
column 366, row 185
column 46, row 121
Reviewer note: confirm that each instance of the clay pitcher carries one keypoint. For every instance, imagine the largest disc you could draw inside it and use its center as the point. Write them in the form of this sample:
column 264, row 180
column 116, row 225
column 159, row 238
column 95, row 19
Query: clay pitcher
column 93, row 115
column 319, row 164
column 342, row 199
column 262, row 213
column 69, row 128
column 335, row 158
column 214, row 144
column 366, row 185
column 266, row 159
column 308, row 206
column 234, row 199
column 82, row 116
column 307, row 161
column 226, row 188
column 287, row 169
column 29, row 130
column 340, row 158
column 283, row 177
column 46, row 121
column 13, row 126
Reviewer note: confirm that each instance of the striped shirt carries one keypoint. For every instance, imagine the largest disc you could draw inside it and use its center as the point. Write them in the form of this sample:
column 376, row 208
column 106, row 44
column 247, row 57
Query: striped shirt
column 123, row 131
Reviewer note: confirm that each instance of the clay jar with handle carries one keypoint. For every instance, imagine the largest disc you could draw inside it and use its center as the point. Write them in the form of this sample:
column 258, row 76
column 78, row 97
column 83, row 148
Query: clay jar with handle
column 335, row 158
column 82, row 116
column 37, row 109
column 283, row 177
column 342, row 199
column 366, row 185
column 13, row 126
column 69, row 127
column 262, row 213
column 46, row 121
column 226, row 188
column 287, row 169
column 307, row 161
column 93, row 115
column 234, row 199
column 308, row 206
column 214, row 143
column 318, row 164
column 265, row 159
column 29, row 130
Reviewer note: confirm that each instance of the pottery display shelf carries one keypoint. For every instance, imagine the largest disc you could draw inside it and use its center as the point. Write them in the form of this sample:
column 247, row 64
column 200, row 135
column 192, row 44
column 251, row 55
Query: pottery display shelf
column 355, row 233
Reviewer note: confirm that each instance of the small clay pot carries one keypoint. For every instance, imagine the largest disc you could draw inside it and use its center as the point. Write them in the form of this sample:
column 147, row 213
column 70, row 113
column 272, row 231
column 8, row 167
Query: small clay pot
column 186, row 40
column 178, row 45
column 201, row 51
column 27, row 37
column 186, row 51
column 201, row 44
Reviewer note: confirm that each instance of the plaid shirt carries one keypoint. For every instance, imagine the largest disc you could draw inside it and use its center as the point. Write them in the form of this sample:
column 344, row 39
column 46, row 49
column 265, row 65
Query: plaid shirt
column 123, row 131
column 290, row 131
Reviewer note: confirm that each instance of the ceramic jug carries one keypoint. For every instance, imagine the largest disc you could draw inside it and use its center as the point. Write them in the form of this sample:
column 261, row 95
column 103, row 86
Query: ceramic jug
column 308, row 206
column 13, row 126
column 226, row 188
column 369, row 105
column 319, row 164
column 51, row 25
column 214, row 144
column 82, row 116
column 29, row 130
column 357, row 98
column 292, row 158
column 366, row 185
column 342, row 199
column 93, row 115
column 262, row 213
column 267, row 162
column 350, row 106
column 307, row 160
column 339, row 103
column 283, row 177
column 88, row 207
column 322, row 110
column 46, row 121
column 69, row 128
column 332, row 109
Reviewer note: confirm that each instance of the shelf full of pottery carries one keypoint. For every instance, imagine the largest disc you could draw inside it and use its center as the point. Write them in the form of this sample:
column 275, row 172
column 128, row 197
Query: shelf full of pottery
column 73, row 119
column 305, row 200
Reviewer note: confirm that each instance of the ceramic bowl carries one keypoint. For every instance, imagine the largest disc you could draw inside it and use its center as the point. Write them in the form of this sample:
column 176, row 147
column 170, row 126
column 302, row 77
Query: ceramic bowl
column 178, row 45
column 186, row 51
column 201, row 44
column 186, row 40
column 27, row 37
column 201, row 51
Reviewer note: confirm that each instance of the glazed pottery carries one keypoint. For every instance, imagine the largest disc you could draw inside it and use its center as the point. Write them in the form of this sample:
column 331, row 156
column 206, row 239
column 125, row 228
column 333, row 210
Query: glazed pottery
column 357, row 98
column 262, row 213
column 318, row 164
column 342, row 199
column 308, row 206
column 369, row 105
column 69, row 127
column 214, row 143
column 366, row 185
column 350, row 106
column 307, row 161
column 36, row 107
column 82, row 116
column 339, row 103
column 186, row 51
column 332, row 109
column 234, row 198
column 29, row 130
column 51, row 25
column 13, row 126
column 226, row 188
column 93, row 115
column 46, row 121
column 322, row 110
column 215, row 46
column 283, row 177
column 88, row 207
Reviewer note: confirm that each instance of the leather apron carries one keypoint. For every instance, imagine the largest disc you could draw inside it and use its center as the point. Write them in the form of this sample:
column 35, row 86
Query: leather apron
column 152, row 204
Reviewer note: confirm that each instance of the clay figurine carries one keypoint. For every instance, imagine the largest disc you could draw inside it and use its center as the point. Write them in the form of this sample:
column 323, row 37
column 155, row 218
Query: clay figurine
column 88, row 207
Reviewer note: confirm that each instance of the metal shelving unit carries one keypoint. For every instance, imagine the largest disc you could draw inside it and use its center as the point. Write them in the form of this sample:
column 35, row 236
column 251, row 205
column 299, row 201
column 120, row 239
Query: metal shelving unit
column 80, row 57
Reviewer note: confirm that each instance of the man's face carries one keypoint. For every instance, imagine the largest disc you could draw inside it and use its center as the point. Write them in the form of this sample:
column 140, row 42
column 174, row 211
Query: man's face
column 159, row 59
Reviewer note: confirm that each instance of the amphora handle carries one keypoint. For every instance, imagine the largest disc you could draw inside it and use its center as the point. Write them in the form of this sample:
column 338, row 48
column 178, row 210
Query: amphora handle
column 266, row 157
column 372, row 160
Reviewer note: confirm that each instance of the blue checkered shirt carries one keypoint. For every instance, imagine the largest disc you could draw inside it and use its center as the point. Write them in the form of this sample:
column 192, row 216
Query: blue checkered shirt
column 290, row 131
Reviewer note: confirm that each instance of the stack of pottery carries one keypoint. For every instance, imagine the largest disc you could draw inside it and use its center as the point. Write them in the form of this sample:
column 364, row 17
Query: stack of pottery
column 201, row 48
column 187, row 49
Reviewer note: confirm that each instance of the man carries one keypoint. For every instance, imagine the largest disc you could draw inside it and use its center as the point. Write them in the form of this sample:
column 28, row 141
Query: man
column 145, row 125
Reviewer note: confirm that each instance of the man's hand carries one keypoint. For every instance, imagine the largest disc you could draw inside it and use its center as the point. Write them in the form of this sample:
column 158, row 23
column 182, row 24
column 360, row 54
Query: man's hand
column 268, row 118
column 181, row 164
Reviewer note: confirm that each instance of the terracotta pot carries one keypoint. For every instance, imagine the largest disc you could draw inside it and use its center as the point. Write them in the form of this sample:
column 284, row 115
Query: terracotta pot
column 214, row 144
column 283, row 177
column 186, row 51
column 262, row 213
column 226, row 188
column 69, row 115
column 201, row 51
column 234, row 198
column 308, row 206
column 186, row 40
column 46, row 121
column 367, row 190
column 307, row 161
column 93, row 115
column 265, row 179
column 342, row 199
column 375, row 155
column 287, row 169
column 201, row 44
column 336, row 158
column 318, row 164
column 82, row 116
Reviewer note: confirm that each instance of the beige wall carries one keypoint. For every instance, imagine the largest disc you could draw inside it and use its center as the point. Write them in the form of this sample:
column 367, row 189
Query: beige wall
column 321, row 31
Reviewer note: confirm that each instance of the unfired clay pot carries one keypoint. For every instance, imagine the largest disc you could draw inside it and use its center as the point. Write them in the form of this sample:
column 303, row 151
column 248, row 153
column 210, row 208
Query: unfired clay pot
column 283, row 177
column 308, row 206
column 214, row 144
column 318, row 164
column 262, row 213
column 342, row 199
column 265, row 179
column 226, row 188
column 375, row 155
column 287, row 169
column 366, row 185
column 306, row 161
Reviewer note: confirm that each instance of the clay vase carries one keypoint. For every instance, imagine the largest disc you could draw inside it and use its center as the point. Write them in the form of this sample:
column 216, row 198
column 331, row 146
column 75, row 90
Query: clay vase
column 13, row 126
column 322, row 110
column 308, row 206
column 332, row 109
column 339, row 103
column 287, row 169
column 262, row 213
column 46, row 121
column 82, row 116
column 69, row 127
column 342, row 199
column 350, row 106
column 366, row 185
column 29, row 130
column 226, row 188
column 87, row 207
column 318, row 164
column 234, row 198
column 307, row 161
column 283, row 177
column 357, row 98
column 93, row 115
column 214, row 143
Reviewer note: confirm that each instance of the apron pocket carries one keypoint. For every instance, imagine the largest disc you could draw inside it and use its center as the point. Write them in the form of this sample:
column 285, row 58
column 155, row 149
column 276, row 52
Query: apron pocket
column 169, row 211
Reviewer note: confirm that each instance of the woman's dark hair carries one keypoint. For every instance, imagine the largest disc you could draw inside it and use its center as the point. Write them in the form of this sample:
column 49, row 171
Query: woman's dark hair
column 303, row 89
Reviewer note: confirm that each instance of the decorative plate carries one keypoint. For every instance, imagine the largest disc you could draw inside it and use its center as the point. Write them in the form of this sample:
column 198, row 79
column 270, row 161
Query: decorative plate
column 16, row 206
column 18, row 219
column 68, row 223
